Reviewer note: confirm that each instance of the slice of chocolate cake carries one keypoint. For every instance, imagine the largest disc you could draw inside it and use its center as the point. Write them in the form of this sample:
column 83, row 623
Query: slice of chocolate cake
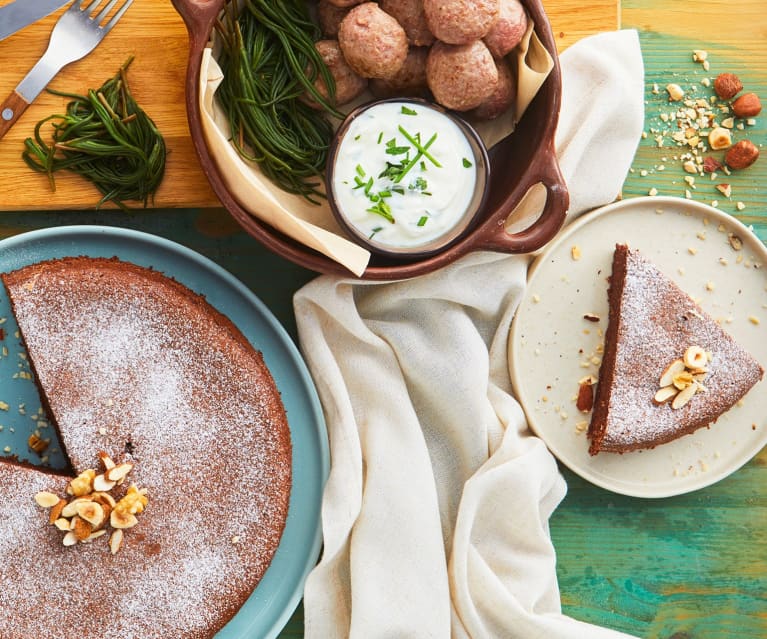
column 668, row 368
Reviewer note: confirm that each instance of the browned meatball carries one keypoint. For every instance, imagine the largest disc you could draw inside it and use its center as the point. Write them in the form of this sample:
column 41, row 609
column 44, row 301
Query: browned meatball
column 461, row 77
column 508, row 30
column 504, row 96
column 460, row 21
column 348, row 84
column 329, row 16
column 409, row 13
column 410, row 80
column 373, row 42
column 345, row 3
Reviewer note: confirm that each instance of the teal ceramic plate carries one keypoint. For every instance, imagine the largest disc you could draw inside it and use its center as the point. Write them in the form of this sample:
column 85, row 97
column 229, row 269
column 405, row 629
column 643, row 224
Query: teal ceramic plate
column 270, row 606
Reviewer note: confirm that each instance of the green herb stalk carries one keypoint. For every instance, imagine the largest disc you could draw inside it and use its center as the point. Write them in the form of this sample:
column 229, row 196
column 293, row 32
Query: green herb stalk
column 270, row 64
column 105, row 137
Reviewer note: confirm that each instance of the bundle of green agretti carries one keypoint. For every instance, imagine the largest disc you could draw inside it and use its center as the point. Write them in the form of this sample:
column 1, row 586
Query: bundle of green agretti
column 270, row 63
column 105, row 137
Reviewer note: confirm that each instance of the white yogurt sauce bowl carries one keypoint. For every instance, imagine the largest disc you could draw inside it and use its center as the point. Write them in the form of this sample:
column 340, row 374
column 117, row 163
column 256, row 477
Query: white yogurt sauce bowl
column 406, row 177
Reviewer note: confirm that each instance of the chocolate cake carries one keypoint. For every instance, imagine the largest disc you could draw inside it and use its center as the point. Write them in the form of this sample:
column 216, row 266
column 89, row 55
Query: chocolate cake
column 668, row 368
column 134, row 364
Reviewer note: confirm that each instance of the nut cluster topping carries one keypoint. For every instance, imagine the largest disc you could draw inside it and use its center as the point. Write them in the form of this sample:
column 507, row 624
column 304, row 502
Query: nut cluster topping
column 683, row 377
column 90, row 508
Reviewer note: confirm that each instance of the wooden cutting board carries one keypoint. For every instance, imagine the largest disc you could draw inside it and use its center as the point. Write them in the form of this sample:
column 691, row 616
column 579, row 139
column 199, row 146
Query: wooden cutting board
column 153, row 32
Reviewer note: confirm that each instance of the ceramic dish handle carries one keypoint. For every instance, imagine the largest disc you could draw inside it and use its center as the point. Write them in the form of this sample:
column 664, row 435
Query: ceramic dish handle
column 199, row 16
column 545, row 227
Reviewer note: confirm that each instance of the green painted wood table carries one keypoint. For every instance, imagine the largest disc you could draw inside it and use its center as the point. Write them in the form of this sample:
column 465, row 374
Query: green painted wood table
column 687, row 567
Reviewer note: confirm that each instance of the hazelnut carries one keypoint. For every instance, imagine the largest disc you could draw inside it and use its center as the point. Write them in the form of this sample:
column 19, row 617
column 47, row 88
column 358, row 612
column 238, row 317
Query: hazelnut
column 91, row 512
column 664, row 394
column 119, row 472
column 711, row 164
column 115, row 541
column 695, row 357
column 684, row 396
column 747, row 106
column 727, row 85
column 45, row 499
column 585, row 401
column 102, row 484
column 675, row 92
column 741, row 155
column 120, row 519
column 719, row 138
column 667, row 376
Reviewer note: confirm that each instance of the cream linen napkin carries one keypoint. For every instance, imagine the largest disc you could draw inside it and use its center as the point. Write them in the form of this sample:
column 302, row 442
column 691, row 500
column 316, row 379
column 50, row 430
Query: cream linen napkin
column 435, row 514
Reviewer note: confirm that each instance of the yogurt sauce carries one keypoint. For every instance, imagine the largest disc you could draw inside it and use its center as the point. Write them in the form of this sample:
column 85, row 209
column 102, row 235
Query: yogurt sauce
column 404, row 174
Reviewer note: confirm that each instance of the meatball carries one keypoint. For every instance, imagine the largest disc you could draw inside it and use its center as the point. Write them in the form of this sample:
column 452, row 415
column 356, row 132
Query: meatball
column 461, row 77
column 345, row 3
column 329, row 16
column 410, row 80
column 348, row 84
column 409, row 13
column 373, row 42
column 504, row 96
column 508, row 30
column 460, row 21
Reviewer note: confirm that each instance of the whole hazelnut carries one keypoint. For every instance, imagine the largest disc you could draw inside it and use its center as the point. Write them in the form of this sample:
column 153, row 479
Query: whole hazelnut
column 727, row 85
column 741, row 155
column 747, row 106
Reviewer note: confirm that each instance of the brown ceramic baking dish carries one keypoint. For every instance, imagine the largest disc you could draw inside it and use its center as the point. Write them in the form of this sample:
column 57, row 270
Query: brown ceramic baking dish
column 523, row 159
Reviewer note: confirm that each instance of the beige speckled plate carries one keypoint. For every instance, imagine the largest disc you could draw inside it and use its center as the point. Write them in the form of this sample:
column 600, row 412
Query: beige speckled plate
column 552, row 346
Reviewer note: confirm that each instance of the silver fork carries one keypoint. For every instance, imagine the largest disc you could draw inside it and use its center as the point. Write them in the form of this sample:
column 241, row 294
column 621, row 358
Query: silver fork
column 76, row 34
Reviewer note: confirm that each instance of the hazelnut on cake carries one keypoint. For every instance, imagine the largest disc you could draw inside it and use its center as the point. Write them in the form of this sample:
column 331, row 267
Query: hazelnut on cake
column 668, row 368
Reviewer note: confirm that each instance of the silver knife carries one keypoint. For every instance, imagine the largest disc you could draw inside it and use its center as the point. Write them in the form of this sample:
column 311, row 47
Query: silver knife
column 20, row 13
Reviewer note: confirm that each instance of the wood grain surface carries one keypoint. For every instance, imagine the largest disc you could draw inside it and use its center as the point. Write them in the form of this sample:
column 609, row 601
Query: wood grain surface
column 688, row 567
column 153, row 32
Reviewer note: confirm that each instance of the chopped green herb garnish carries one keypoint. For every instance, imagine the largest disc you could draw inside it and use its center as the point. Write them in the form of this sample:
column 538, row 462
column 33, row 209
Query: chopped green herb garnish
column 397, row 150
column 360, row 171
column 408, row 111
column 467, row 163
column 415, row 141
column 377, row 229
column 419, row 184
column 422, row 150
column 423, row 220
column 392, row 170
column 398, row 189
column 357, row 137
column 383, row 209
column 423, row 165
column 380, row 137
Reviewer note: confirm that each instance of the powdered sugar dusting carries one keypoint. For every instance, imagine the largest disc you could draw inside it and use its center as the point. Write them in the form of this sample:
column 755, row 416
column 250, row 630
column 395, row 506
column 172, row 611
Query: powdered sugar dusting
column 657, row 323
column 135, row 365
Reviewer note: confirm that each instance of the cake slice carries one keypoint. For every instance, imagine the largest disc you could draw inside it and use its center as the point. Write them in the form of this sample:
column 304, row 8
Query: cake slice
column 668, row 368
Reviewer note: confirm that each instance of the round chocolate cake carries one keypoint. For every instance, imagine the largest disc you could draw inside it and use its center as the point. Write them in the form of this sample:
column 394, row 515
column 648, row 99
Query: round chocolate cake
column 135, row 365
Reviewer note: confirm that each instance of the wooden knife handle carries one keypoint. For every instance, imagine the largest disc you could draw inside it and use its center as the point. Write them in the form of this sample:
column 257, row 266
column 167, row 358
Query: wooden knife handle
column 10, row 111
